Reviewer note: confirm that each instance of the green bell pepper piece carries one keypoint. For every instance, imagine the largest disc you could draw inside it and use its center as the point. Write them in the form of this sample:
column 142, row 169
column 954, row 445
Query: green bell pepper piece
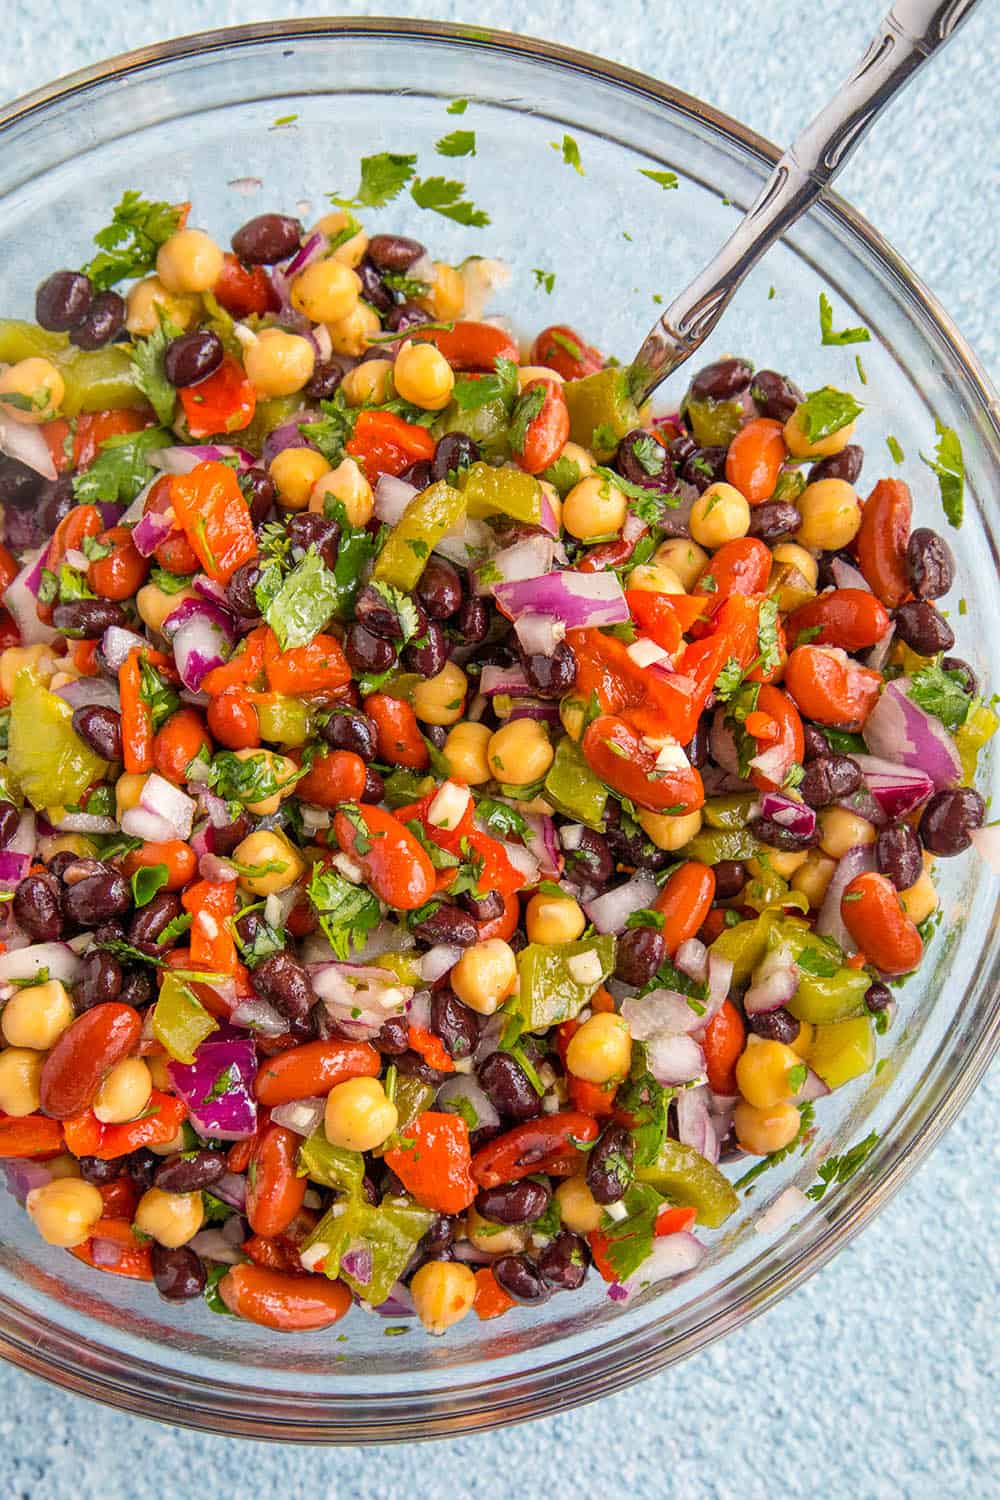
column 549, row 990
column 502, row 492
column 405, row 966
column 267, row 416
column 746, row 944
column 180, row 1021
column 979, row 727
column 791, row 483
column 332, row 1166
column 572, row 787
column 711, row 845
column 412, row 1097
column 487, row 425
column 404, row 787
column 21, row 340
column 688, row 1178
column 714, row 423
column 730, row 812
column 417, row 532
column 601, row 411
column 283, row 721
column 390, row 1233
column 99, row 380
column 842, row 1051
column 766, row 889
column 821, row 998
column 46, row 757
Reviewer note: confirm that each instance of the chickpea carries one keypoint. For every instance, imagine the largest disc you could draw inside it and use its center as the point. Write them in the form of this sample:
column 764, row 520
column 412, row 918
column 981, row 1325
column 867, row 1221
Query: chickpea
column 669, row 830
column 574, row 454
column 65, row 1211
column 368, row 381
column 813, row 876
column 684, row 558
column 154, row 605
column 830, row 514
column 423, row 376
column 347, row 484
column 171, row 1147
column 359, row 1116
column 520, row 752
column 326, row 291
column 840, row 830
column 284, row 772
column 446, row 299
column 496, row 1239
column 269, row 847
column 37, row 1016
column 443, row 1292
column 554, row 919
column 351, row 251
column 158, row 1064
column 124, row 1093
column 353, row 334
column 171, row 1219
column 465, row 750
column 761, row 1131
column 799, row 445
column 783, row 862
column 295, row 472
column 20, row 1081
column 190, row 261
column 485, row 975
column 41, row 661
column 441, row 699
column 579, row 1208
column 719, row 515
column 655, row 578
column 62, row 1166
column 601, row 1050
column 920, row 899
column 594, row 507
column 794, row 556
column 31, row 391
column 148, row 299
column 762, row 1072
column 128, row 791
column 279, row 363
column 527, row 373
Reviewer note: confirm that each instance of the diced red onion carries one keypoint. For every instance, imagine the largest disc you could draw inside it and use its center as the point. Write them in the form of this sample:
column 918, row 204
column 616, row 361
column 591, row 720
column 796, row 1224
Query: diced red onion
column 774, row 763
column 813, row 1088
column 495, row 680
column 398, row 1304
column 117, row 643
column 544, row 710
column 21, row 599
column 856, row 861
column 231, row 1188
column 138, row 823
column 672, row 1255
column 527, row 559
column 211, row 867
column 182, row 458
column 233, row 1115
column 541, row 841
column 787, row 1205
column 164, row 800
column 86, row 823
column 152, row 530
column 24, row 1175
column 302, row 1115
column 25, row 835
column 463, row 1086
column 617, row 1293
column 465, row 541
column 288, row 435
column 212, row 1244
column 864, row 804
column 392, row 496
column 879, row 654
column 897, row 789
column 437, row 961
column 692, row 959
column 847, row 576
column 539, row 635
column 106, row 1253
column 90, row 692
column 24, row 442
column 772, row 991
column 357, row 1263
column 578, row 599
column 898, row 729
column 548, row 517
column 360, row 998
column 200, row 645
column 13, row 868
column 523, row 860
column 610, row 911
column 722, row 744
column 694, row 1122
column 986, row 842
column 720, row 978
column 789, row 813
column 27, row 963
column 465, row 1250
column 661, row 1013
column 259, row 1015
column 489, row 1038
column 419, row 1010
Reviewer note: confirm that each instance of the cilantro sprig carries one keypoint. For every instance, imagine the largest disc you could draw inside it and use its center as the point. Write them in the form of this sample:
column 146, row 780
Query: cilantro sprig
column 827, row 333
column 127, row 246
column 949, row 466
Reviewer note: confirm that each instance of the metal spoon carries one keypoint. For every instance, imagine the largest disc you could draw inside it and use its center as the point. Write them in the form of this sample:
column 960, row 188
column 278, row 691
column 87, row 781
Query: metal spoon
column 912, row 32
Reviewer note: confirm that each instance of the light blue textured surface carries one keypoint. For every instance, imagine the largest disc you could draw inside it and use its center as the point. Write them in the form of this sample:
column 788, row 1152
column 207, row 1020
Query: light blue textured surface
column 878, row 1378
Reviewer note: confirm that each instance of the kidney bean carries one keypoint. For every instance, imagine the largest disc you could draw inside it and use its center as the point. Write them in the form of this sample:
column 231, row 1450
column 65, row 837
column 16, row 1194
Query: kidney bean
column 949, row 818
column 563, row 1262
column 373, row 288
column 970, row 681
column 178, row 1274
column 100, row 728
column 240, row 591
column 775, row 1025
column 634, row 848
column 684, row 900
column 394, row 864
column 923, row 629
column 87, row 619
column 845, row 465
column 311, row 530
column 514, row 1202
column 681, row 449
column 722, row 380
column 378, row 617
column 437, row 1242
column 428, row 653
column 551, row 676
column 412, row 1065
column 774, row 395
column 609, row 1164
column 773, row 520
column 815, row 744
column 37, row 907
column 447, row 924
column 260, row 493
column 274, row 1192
column 455, row 451
column 104, row 319
column 704, row 467
column 192, row 357
column 641, row 951
column 100, row 980
column 87, row 1049
column 850, row 618
column 508, row 1087
column 137, row 989
column 95, row 1170
column 314, row 1068
column 266, row 239
column 454, row 1023
column 520, row 1278
column 882, row 540
column 394, row 252
column 472, row 622
column 871, row 912
column 63, row 300
column 440, row 589
column 283, row 1300
column 829, row 778
column 96, row 898
column 149, row 921
column 630, row 464
column 189, row 1172
column 897, row 854
column 285, row 983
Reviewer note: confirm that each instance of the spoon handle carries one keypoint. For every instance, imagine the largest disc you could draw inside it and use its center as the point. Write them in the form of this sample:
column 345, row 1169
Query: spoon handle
column 912, row 32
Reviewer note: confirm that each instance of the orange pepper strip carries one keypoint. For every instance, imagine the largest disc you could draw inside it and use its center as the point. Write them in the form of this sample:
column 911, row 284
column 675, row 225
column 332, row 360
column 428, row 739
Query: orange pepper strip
column 29, row 1135
column 431, row 1049
column 433, row 1162
column 241, row 668
column 491, row 1301
column 209, row 505
column 137, row 721
column 305, row 669
column 163, row 1117
column 211, row 903
column 134, row 1259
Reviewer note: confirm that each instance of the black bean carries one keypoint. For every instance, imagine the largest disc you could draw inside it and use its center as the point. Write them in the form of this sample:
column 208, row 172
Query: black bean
column 100, row 727
column 589, row 866
column 730, row 878
column 828, row 778
column 609, row 1164
column 393, row 252
column 897, row 854
column 57, row 502
column 453, row 1022
column 179, row 1273
column 240, row 591
column 63, row 300
column 508, row 1087
column 721, row 381
column 325, row 380
column 95, row 1170
column 137, row 989
column 455, row 451
column 381, row 619
column 141, row 1166
column 192, row 357
column 105, row 319
column 930, row 563
column 949, row 819
column 87, row 619
column 20, row 487
column 100, row 980
column 374, row 786
column 427, row 653
column 486, row 910
column 633, row 848
column 266, row 239
column 641, row 951
column 705, row 466
column 150, row 920
column 308, row 529
column 412, row 1065
column 775, row 395
column 773, row 520
column 394, row 1037
column 520, row 1279
column 777, row 836
column 437, row 1242
column 260, row 493
column 514, row 1202
column 472, row 623
column 373, row 289
column 190, row 1171
column 816, row 744
column 367, row 652
column 681, row 449
column 878, row 996
column 923, row 629
column 551, row 676
column 845, row 465
column 350, row 729
column 226, row 838
column 37, row 907
column 285, row 984
column 439, row 589
column 9, row 819
column 563, row 1262
column 96, row 898
column 970, row 682
column 642, row 460
column 696, row 749
column 447, row 924
column 406, row 315
column 775, row 1026
column 418, row 474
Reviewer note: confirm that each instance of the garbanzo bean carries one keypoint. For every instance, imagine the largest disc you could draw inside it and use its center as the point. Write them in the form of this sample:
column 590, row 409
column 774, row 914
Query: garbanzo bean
column 554, row 919
column 799, row 445
column 353, row 334
column 37, row 1016
column 761, row 1131
column 684, row 558
column 326, row 291
column 840, row 830
column 367, row 382
column 485, row 975
column 169, row 1218
column 520, row 752
column 279, row 863
column 359, row 1116
column 296, row 471
column 831, row 515
column 719, row 515
column 441, row 699
column 189, row 261
column 446, row 298
column 443, row 1292
column 31, row 391
column 669, row 830
column 422, row 375
column 148, row 299
column 124, row 1093
column 465, row 750
column 594, row 507
column 20, row 1081
column 279, row 363
column 65, row 1211
column 601, row 1050
column 347, row 484
column 579, row 1208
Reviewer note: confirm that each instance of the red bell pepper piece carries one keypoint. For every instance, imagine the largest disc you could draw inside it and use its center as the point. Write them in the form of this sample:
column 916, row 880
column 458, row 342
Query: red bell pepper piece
column 210, row 507
column 315, row 668
column 224, row 401
column 431, row 1049
column 29, row 1135
column 120, row 1252
column 432, row 1162
column 137, row 720
column 241, row 669
column 548, row 1144
column 87, row 1136
column 384, row 444
column 490, row 1301
column 212, row 904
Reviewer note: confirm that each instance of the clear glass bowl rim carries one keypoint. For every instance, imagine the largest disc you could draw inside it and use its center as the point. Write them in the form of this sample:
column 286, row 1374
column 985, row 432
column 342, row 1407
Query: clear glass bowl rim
column 144, row 1389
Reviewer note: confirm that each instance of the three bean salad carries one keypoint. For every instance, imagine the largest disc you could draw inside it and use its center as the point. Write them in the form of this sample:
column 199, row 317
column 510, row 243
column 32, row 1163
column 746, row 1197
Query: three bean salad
column 455, row 827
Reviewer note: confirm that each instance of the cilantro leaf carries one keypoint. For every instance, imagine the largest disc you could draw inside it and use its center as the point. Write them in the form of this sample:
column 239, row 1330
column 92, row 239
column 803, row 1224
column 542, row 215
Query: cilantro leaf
column 826, row 411
column 502, row 821
column 526, row 409
column 401, row 605
column 407, row 286
column 941, row 693
column 446, row 198
column 638, row 492
column 170, row 583
column 815, row 961
column 650, row 455
column 949, row 466
column 647, row 1103
column 251, row 780
column 846, row 335
column 546, row 279
column 159, row 697
column 564, row 474
column 630, row 1240
column 146, row 881
column 383, row 177
column 303, row 604
column 664, row 180
column 728, row 681
column 457, row 107
column 150, row 372
column 894, row 448
column 767, row 636
column 332, row 432
column 458, row 143
column 345, row 911
column 502, row 385
column 839, row 1169
column 121, row 469
column 570, row 152
column 127, row 246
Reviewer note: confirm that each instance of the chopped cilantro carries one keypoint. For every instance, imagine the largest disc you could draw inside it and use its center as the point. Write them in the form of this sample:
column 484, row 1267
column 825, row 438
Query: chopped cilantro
column 941, row 693
column 346, row 912
column 846, row 335
column 729, row 680
column 502, row 821
column 893, row 446
column 446, row 198
column 570, row 152
column 630, row 1240
column 458, row 143
column 127, row 246
column 148, row 356
column 526, row 409
column 331, row 433
column 949, row 466
column 807, row 1115
column 838, row 1169
column 157, row 694
column 303, row 604
column 664, row 180
column 383, row 177
column 826, row 411
column 146, row 881
column 457, row 107
column 121, row 469
column 544, row 279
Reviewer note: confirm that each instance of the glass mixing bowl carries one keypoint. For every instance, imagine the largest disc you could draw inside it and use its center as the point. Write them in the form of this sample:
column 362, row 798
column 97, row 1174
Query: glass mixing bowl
column 196, row 119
